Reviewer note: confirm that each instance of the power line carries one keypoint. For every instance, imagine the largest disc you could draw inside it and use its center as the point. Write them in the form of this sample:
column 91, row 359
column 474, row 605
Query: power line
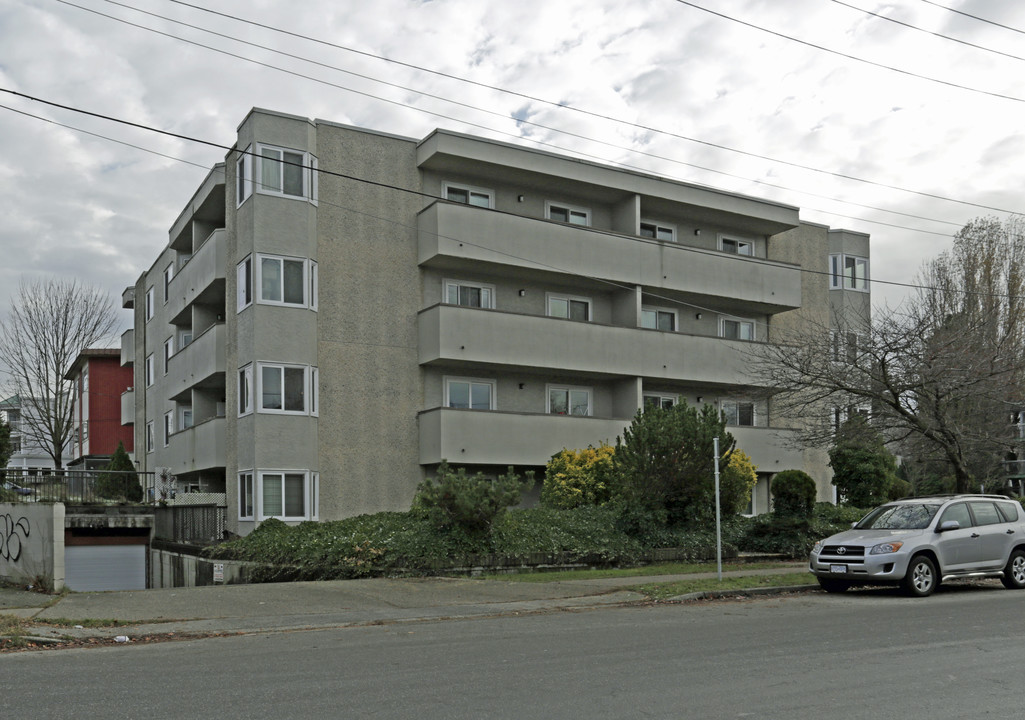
column 852, row 57
column 973, row 17
column 928, row 32
column 528, row 122
column 410, row 191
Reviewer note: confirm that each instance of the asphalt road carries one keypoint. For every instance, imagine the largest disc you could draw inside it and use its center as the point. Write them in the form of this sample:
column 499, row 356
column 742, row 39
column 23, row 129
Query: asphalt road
column 867, row 654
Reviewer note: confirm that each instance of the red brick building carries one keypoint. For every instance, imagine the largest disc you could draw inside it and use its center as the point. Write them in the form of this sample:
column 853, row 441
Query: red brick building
column 99, row 380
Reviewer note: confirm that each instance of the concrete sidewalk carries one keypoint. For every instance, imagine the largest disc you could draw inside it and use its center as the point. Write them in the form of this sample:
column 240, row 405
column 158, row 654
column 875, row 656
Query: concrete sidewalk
column 226, row 609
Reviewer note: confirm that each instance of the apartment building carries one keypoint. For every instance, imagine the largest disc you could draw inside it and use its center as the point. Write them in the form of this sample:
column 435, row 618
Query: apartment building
column 28, row 454
column 338, row 310
column 98, row 381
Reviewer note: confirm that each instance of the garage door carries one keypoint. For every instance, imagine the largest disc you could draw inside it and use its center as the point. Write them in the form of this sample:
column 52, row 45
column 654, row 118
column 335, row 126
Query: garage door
column 105, row 567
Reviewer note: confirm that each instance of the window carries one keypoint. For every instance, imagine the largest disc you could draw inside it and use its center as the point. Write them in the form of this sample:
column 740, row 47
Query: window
column 168, row 276
column 841, row 414
column 848, row 272
column 469, row 195
column 245, row 496
column 658, row 231
column 285, row 281
column 245, row 390
column 569, row 400
column 185, row 416
column 958, row 513
column 184, row 339
column 314, row 380
column 567, row 214
column 244, row 277
column 289, row 173
column 567, row 306
column 283, row 495
column 469, row 294
column 662, row 401
column 284, row 388
column 244, row 176
column 737, row 329
column 985, row 513
column 168, row 427
column 658, row 319
column 739, row 413
column 149, row 370
column 168, row 352
column 149, row 304
column 470, row 394
column 735, row 246
column 149, row 436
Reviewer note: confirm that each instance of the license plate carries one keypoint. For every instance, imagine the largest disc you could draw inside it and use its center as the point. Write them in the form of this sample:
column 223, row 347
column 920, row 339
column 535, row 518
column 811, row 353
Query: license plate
column 839, row 569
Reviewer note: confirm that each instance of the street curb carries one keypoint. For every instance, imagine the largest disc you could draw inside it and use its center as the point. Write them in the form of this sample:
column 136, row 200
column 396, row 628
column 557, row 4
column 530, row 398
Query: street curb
column 744, row 592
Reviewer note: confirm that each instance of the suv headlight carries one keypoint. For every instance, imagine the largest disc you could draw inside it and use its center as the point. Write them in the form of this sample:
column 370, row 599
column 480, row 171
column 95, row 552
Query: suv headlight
column 886, row 548
column 816, row 547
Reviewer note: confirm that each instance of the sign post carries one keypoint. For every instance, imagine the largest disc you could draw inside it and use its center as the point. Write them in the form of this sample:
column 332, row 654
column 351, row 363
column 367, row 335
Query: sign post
column 718, row 524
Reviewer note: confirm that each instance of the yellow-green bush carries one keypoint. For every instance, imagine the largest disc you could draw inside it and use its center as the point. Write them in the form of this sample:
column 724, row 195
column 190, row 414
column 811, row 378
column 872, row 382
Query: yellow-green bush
column 579, row 477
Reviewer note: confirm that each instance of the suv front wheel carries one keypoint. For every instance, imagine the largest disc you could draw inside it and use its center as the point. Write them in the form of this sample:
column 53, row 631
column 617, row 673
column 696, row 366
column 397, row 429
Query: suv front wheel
column 921, row 578
column 1014, row 573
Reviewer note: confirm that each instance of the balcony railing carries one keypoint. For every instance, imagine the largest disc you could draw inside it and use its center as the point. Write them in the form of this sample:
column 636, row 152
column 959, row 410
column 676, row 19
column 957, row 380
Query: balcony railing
column 76, row 487
column 192, row 524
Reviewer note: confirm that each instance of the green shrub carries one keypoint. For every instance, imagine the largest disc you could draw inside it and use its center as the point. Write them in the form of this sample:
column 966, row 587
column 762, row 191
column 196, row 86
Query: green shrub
column 793, row 494
column 120, row 481
column 787, row 535
column 585, row 531
column 579, row 477
column 456, row 502
column 840, row 515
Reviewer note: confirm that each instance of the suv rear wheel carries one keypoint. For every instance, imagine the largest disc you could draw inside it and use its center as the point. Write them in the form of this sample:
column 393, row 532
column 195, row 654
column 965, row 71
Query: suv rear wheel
column 921, row 579
column 1014, row 573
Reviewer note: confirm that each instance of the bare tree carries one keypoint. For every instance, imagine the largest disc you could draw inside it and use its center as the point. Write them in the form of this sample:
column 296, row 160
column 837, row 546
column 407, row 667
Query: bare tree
column 940, row 376
column 50, row 322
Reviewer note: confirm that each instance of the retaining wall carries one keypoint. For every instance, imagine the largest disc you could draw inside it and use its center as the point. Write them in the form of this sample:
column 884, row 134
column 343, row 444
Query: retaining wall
column 32, row 544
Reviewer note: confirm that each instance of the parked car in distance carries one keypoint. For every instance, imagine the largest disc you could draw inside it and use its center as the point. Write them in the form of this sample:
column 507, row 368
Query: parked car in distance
column 918, row 543
column 8, row 485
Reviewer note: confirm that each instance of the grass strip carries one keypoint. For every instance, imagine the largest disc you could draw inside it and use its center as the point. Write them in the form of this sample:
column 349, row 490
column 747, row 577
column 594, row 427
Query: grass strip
column 660, row 569
column 664, row 591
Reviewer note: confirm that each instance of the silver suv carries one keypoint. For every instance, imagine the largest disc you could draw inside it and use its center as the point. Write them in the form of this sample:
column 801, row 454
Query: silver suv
column 917, row 543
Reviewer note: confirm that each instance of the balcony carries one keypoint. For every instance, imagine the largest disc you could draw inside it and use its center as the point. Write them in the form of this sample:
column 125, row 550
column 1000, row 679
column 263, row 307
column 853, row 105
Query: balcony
column 128, row 347
column 479, row 437
column 460, row 336
column 200, row 447
column 201, row 363
column 460, row 237
column 200, row 279
column 128, row 407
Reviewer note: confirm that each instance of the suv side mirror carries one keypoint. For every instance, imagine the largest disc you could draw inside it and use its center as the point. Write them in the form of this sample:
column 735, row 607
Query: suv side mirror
column 948, row 525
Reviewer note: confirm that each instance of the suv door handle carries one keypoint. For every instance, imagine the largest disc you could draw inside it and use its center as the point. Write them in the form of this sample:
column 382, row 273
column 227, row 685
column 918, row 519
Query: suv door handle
column 1010, row 531
column 975, row 535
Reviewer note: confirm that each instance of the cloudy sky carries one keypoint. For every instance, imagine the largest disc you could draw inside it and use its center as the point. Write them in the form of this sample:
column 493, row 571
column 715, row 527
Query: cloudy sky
column 902, row 119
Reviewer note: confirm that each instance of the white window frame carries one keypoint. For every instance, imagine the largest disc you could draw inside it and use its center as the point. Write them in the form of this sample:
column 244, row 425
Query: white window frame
column 492, row 385
column 307, row 283
column 657, row 310
column 740, row 243
column 839, row 279
column 657, row 228
column 261, row 366
column 168, row 277
column 470, row 191
column 168, row 352
column 661, row 398
column 308, row 172
column 840, row 415
column 150, row 370
column 246, row 495
column 490, row 289
column 168, row 427
column 735, row 404
column 571, row 210
column 150, row 303
column 308, row 502
column 184, row 339
column 314, row 286
column 185, row 411
column 150, row 439
column 244, row 284
column 245, row 390
column 244, row 176
column 314, row 397
column 741, row 321
column 569, row 389
column 569, row 299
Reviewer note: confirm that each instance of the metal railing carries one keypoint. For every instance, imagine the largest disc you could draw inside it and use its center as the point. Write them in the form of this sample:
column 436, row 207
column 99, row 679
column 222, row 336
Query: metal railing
column 77, row 487
column 194, row 524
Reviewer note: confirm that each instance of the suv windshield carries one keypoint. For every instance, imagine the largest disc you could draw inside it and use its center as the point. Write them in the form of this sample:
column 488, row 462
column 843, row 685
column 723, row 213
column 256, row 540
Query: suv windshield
column 899, row 517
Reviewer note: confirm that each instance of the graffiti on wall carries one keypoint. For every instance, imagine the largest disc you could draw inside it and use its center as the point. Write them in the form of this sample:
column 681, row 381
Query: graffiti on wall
column 13, row 533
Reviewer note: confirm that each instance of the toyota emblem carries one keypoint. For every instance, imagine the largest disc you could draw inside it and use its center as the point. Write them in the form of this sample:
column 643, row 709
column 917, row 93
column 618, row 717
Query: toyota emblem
column 841, row 551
